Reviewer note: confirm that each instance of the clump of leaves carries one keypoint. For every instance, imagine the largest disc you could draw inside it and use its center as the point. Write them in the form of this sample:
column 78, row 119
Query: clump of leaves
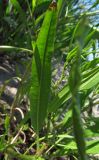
column 58, row 124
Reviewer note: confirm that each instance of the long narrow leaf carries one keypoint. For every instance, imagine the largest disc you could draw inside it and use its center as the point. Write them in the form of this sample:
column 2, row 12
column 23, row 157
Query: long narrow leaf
column 40, row 89
column 12, row 48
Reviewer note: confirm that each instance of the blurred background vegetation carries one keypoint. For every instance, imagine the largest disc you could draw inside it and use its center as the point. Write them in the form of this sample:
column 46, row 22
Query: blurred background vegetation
column 71, row 116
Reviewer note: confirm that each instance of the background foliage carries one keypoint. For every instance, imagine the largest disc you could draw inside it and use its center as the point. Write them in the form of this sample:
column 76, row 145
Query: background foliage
column 59, row 41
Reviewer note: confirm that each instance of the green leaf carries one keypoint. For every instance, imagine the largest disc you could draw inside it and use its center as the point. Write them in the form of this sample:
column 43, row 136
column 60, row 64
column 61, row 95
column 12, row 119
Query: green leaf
column 29, row 157
column 93, row 147
column 41, row 70
column 42, row 1
column 34, row 4
column 16, row 4
column 7, row 123
column 90, row 83
column 66, row 118
column 13, row 48
column 60, row 5
column 41, row 6
column 2, row 143
column 92, row 129
column 90, row 64
column 14, row 154
column 90, row 79
column 94, row 31
column 59, row 99
column 90, row 133
column 71, row 146
column 23, row 23
column 78, row 131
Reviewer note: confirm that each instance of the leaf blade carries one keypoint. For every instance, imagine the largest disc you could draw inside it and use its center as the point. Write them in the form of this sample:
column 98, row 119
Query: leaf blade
column 41, row 88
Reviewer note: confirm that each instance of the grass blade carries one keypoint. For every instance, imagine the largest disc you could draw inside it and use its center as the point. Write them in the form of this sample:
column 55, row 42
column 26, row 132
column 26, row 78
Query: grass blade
column 41, row 81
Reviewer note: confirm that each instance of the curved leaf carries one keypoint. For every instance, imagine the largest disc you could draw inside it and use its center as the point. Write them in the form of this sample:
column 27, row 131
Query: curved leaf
column 11, row 48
